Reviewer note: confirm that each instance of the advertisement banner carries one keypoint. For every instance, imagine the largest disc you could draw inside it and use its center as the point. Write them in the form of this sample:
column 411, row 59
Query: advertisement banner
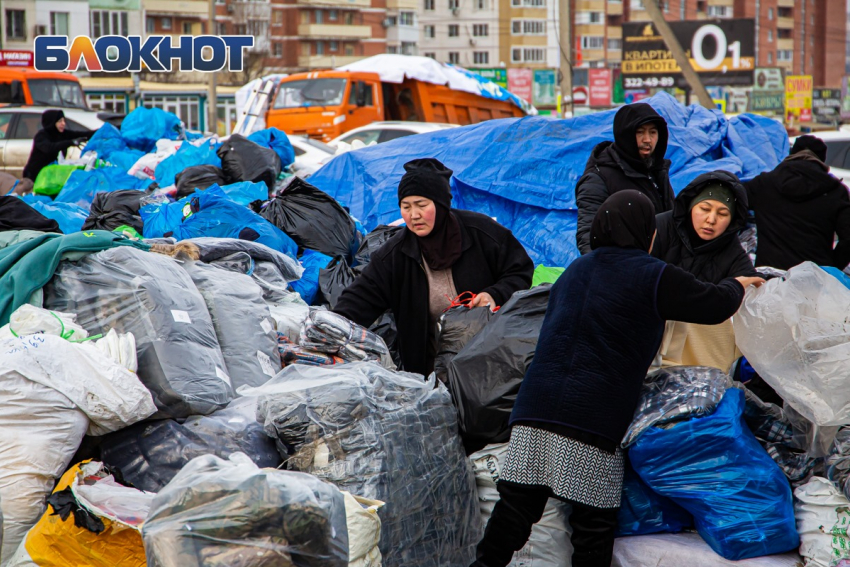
column 498, row 76
column 12, row 58
column 845, row 98
column 768, row 79
column 767, row 102
column 601, row 88
column 798, row 97
column 545, row 81
column 826, row 105
column 721, row 51
column 521, row 83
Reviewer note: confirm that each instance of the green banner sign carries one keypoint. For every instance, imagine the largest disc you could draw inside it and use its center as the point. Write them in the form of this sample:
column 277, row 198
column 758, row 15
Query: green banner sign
column 545, row 81
column 498, row 76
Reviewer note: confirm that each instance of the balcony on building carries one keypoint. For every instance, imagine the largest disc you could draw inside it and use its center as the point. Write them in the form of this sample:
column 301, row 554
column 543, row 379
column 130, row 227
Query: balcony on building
column 615, row 7
column 785, row 23
column 185, row 8
column 785, row 3
column 591, row 5
column 411, row 5
column 785, row 43
column 334, row 31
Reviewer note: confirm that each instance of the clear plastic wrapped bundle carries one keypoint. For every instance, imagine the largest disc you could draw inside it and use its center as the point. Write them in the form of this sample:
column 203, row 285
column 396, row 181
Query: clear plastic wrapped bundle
column 325, row 331
column 152, row 297
column 218, row 513
column 387, row 436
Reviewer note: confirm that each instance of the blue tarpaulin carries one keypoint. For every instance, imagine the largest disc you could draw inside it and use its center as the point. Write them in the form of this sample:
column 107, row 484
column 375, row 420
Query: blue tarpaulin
column 523, row 171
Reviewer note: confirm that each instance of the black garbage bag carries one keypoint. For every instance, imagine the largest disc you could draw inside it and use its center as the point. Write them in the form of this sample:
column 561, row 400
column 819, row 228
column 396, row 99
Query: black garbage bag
column 333, row 280
column 213, row 249
column 149, row 454
column 17, row 215
column 116, row 208
column 485, row 376
column 372, row 241
column 313, row 219
column 198, row 177
column 457, row 327
column 386, row 328
column 243, row 160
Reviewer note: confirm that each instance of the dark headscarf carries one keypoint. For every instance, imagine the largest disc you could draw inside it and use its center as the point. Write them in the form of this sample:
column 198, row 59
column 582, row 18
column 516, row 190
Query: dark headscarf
column 626, row 122
column 811, row 143
column 49, row 119
column 625, row 220
column 429, row 178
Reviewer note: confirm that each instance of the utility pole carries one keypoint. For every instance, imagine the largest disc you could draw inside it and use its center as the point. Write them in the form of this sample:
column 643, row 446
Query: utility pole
column 682, row 60
column 565, row 40
column 212, row 110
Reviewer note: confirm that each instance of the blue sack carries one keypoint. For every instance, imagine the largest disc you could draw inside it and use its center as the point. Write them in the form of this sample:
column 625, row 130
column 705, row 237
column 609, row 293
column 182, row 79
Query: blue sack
column 106, row 141
column 31, row 198
column 276, row 140
column 308, row 286
column 714, row 468
column 642, row 511
column 188, row 155
column 144, row 126
column 125, row 159
column 161, row 218
column 70, row 217
column 246, row 192
column 82, row 186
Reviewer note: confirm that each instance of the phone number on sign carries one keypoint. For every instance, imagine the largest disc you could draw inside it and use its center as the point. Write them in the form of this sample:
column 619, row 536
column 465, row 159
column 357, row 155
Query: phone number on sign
column 638, row 83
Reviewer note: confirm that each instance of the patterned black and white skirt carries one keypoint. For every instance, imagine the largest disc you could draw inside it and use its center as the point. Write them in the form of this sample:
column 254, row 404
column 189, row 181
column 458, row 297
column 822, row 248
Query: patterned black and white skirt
column 573, row 470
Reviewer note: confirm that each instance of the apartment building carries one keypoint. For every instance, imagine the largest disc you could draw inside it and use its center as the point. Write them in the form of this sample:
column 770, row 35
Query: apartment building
column 402, row 25
column 464, row 32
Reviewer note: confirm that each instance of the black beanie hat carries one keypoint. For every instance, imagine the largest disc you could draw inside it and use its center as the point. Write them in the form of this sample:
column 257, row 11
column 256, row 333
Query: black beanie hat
column 50, row 117
column 427, row 178
column 811, row 143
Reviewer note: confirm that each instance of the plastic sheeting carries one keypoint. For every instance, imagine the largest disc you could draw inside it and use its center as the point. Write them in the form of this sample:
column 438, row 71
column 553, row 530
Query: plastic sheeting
column 308, row 286
column 678, row 550
column 82, row 186
column 218, row 513
column 144, row 126
column 794, row 332
column 458, row 326
column 643, row 511
column 70, row 217
column 715, row 469
column 186, row 156
column 524, row 171
column 383, row 435
column 214, row 249
column 823, row 516
column 330, row 333
column 151, row 296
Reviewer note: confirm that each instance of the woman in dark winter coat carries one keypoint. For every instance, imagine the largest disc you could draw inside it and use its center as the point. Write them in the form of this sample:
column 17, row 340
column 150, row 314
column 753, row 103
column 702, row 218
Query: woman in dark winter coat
column 601, row 331
column 52, row 139
column 442, row 253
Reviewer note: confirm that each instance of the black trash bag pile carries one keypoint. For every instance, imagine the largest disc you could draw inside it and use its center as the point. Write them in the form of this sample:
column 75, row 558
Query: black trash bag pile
column 371, row 242
column 17, row 215
column 382, row 435
column 115, row 208
column 333, row 280
column 244, row 327
column 243, row 160
column 150, row 454
column 313, row 219
column 151, row 296
column 485, row 376
column 457, row 327
column 218, row 513
column 198, row 177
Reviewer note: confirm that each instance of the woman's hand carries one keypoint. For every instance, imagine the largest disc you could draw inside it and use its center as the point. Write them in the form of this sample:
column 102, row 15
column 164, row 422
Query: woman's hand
column 747, row 282
column 486, row 300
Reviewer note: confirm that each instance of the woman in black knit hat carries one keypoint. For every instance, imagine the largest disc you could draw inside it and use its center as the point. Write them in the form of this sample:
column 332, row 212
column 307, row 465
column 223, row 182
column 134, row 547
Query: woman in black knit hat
column 442, row 253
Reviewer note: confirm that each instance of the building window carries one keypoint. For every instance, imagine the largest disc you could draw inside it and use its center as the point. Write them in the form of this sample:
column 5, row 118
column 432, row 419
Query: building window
column 430, row 31
column 528, row 3
column 481, row 30
column 187, row 28
column 406, row 18
column 589, row 17
column 636, row 5
column 349, row 49
column 104, row 22
column 221, row 28
column 770, row 14
column 454, row 30
column 187, row 107
column 107, row 102
column 320, row 17
column 528, row 27
column 769, row 58
column 429, row 5
column 784, row 55
column 481, row 57
column 392, row 49
column 226, row 110
column 16, row 24
column 150, row 25
column 320, row 48
column 769, row 36
column 454, row 4
column 481, row 5
column 528, row 55
column 334, row 46
column 58, row 23
column 277, row 16
column 408, row 48
column 615, row 44
column 278, row 49
column 241, row 29
column 165, row 23
column 720, row 11
column 305, row 17
column 592, row 42
column 348, row 18
column 454, row 57
column 430, row 55
column 305, row 48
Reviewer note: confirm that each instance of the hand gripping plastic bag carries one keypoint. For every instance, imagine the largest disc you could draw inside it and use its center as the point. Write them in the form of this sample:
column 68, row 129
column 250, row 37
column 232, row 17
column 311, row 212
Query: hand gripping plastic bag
column 112, row 210
column 91, row 520
column 244, row 327
column 457, row 327
column 386, row 436
column 152, row 297
column 244, row 160
column 313, row 219
column 218, row 513
column 642, row 511
column 52, row 178
column 793, row 331
column 150, row 454
column 276, row 140
column 144, row 126
column 823, row 518
column 714, row 468
column 54, row 392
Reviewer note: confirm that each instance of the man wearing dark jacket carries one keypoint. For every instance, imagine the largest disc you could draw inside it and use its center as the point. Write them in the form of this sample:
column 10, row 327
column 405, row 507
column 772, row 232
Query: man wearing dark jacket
column 52, row 139
column 799, row 208
column 635, row 160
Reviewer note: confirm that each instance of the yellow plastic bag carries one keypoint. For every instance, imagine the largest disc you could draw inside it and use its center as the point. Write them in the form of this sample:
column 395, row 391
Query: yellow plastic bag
column 54, row 542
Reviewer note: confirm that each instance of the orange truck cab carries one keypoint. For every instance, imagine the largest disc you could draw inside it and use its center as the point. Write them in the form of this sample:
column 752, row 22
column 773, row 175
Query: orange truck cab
column 25, row 85
column 326, row 104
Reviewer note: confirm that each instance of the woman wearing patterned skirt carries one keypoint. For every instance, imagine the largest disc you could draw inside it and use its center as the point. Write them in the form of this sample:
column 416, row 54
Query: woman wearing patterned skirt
column 602, row 329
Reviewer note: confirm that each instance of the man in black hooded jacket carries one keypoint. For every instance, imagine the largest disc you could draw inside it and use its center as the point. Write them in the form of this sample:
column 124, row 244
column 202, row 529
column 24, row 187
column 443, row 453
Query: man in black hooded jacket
column 635, row 160
column 799, row 208
column 52, row 139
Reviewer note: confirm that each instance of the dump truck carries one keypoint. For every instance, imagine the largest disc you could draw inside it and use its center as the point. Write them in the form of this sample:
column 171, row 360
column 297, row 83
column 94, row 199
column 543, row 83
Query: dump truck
column 25, row 85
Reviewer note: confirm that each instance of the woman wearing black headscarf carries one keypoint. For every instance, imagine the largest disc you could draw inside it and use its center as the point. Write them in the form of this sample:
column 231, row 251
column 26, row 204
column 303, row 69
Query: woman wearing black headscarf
column 602, row 329
column 52, row 139
column 441, row 253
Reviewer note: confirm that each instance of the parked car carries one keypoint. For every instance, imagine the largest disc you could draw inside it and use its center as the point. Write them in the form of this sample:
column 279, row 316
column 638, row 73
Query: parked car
column 380, row 132
column 310, row 155
column 837, row 152
column 19, row 125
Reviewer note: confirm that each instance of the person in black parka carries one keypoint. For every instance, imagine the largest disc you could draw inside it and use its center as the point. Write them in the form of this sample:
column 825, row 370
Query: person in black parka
column 700, row 234
column 52, row 139
column 441, row 253
column 799, row 208
column 635, row 160
column 602, row 328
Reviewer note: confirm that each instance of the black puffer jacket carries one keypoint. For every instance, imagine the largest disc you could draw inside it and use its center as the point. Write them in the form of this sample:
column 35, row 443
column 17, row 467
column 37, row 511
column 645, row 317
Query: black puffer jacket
column 617, row 166
column 799, row 208
column 49, row 142
column 712, row 260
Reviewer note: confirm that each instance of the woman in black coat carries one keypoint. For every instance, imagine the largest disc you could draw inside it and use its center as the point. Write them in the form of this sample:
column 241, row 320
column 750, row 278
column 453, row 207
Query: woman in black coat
column 52, row 139
column 441, row 253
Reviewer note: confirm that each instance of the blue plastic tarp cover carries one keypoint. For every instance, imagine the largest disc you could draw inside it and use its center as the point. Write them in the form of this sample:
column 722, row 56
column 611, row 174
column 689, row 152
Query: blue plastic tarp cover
column 642, row 511
column 213, row 213
column 308, row 286
column 69, row 216
column 187, row 155
column 144, row 126
column 82, row 186
column 246, row 192
column 523, row 171
column 714, row 468
column 276, row 140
